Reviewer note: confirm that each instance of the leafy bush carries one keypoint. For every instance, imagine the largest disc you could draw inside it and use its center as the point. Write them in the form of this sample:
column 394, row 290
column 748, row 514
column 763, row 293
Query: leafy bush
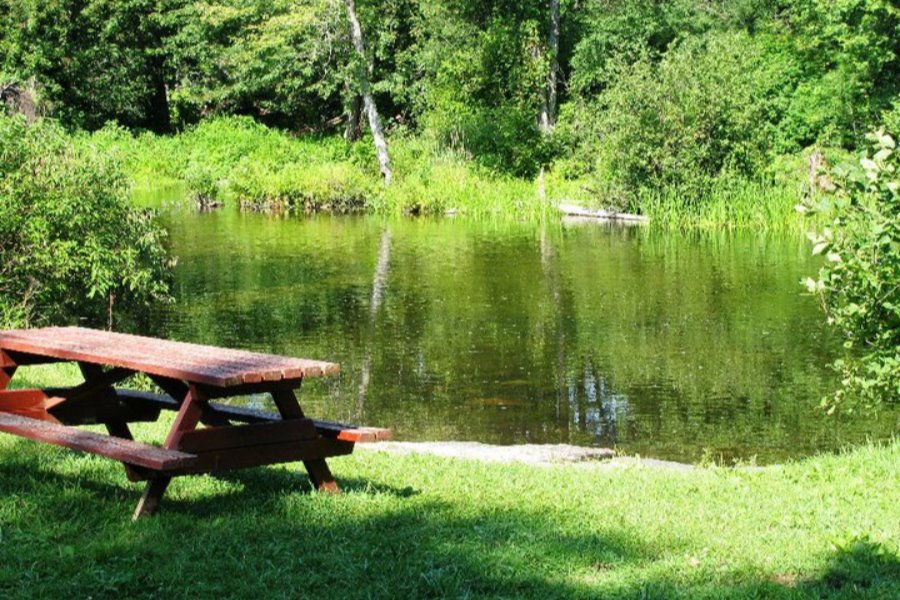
column 69, row 241
column 703, row 112
column 504, row 139
column 850, row 56
column 860, row 282
column 201, row 183
column 334, row 186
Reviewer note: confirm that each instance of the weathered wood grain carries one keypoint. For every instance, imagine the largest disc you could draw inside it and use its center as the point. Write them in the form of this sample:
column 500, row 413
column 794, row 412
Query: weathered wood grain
column 128, row 451
column 221, row 367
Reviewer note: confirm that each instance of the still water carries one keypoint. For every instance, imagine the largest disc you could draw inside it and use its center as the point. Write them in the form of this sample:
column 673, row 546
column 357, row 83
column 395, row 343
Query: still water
column 683, row 348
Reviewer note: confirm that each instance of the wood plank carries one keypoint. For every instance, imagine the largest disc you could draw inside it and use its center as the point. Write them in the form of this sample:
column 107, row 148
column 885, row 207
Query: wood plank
column 220, row 367
column 245, row 389
column 321, row 476
column 98, row 384
column 26, row 403
column 287, row 404
column 189, row 414
column 240, row 436
column 120, row 429
column 24, row 398
column 129, row 451
column 329, row 429
column 8, row 368
column 152, row 496
column 190, row 411
column 6, row 374
column 111, row 408
column 241, row 458
column 353, row 433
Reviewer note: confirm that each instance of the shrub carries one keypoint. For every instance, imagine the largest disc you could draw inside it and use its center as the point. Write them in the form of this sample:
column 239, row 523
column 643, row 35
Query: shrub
column 859, row 284
column 504, row 139
column 704, row 111
column 69, row 242
column 201, row 182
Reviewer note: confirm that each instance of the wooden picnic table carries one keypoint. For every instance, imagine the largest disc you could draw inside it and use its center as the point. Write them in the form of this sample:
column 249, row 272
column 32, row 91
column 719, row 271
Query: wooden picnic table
column 205, row 436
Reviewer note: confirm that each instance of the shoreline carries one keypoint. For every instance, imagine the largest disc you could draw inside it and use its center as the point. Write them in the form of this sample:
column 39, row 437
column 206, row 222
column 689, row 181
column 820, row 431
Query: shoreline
column 541, row 455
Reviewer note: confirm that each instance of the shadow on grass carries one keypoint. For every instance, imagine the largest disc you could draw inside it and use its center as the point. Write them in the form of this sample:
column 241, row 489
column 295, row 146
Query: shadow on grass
column 276, row 479
column 861, row 567
column 260, row 532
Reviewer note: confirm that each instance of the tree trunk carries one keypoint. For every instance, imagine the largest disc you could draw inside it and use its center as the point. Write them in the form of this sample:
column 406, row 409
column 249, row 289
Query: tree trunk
column 352, row 130
column 548, row 104
column 362, row 76
column 158, row 114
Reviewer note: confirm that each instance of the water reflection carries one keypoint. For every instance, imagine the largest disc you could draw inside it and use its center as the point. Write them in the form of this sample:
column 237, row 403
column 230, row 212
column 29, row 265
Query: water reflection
column 667, row 346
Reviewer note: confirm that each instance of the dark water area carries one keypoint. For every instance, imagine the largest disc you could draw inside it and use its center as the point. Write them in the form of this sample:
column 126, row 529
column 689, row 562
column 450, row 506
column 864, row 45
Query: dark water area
column 674, row 347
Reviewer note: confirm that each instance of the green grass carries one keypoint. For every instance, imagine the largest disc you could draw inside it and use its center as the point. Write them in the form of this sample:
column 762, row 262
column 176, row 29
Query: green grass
column 240, row 162
column 415, row 526
column 742, row 206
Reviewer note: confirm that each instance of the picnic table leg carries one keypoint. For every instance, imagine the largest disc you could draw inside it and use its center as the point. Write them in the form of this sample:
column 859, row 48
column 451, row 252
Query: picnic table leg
column 7, row 369
column 178, row 389
column 317, row 469
column 117, row 428
column 151, row 497
column 192, row 408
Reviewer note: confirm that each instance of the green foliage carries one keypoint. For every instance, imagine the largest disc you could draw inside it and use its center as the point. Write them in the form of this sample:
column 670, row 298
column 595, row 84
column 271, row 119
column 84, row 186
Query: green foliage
column 279, row 60
column 658, row 99
column 699, row 114
column 237, row 160
column 92, row 61
column 848, row 50
column 484, row 69
column 860, row 281
column 202, row 183
column 608, row 34
column 502, row 139
column 69, row 241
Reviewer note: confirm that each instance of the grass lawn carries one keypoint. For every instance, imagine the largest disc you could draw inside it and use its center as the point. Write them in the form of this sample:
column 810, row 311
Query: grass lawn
column 416, row 526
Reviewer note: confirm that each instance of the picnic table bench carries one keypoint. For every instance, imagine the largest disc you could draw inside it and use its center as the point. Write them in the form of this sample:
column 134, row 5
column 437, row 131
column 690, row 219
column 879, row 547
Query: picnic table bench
column 205, row 436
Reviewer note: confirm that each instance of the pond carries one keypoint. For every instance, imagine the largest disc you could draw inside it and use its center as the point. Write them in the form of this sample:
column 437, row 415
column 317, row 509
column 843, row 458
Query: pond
column 676, row 347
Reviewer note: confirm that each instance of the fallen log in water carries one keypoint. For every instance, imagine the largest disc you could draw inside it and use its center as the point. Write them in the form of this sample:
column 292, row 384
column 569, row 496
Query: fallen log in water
column 572, row 210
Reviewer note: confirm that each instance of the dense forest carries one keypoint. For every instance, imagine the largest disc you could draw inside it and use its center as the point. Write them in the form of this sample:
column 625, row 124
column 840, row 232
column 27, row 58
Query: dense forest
column 621, row 95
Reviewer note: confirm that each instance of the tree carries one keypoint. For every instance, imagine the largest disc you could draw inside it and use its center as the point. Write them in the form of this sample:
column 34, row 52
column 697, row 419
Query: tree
column 361, row 69
column 281, row 61
column 92, row 61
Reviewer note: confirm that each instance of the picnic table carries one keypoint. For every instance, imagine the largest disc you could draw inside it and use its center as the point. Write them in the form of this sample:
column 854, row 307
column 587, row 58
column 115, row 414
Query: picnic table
column 205, row 436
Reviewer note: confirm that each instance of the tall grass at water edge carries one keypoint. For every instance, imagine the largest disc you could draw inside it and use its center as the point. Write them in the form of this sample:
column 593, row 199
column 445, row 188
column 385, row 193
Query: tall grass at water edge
column 238, row 161
column 745, row 206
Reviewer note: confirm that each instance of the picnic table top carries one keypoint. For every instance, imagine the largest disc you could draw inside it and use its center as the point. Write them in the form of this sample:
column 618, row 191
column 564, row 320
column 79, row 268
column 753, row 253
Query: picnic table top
column 211, row 365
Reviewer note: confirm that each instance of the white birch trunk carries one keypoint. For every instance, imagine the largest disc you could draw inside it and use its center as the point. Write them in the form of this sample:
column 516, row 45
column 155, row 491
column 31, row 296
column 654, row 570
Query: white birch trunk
column 381, row 148
column 379, row 284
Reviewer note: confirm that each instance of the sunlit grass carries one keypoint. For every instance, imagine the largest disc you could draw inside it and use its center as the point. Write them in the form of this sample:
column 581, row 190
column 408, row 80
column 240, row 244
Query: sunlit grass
column 416, row 526
column 744, row 206
column 53, row 374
